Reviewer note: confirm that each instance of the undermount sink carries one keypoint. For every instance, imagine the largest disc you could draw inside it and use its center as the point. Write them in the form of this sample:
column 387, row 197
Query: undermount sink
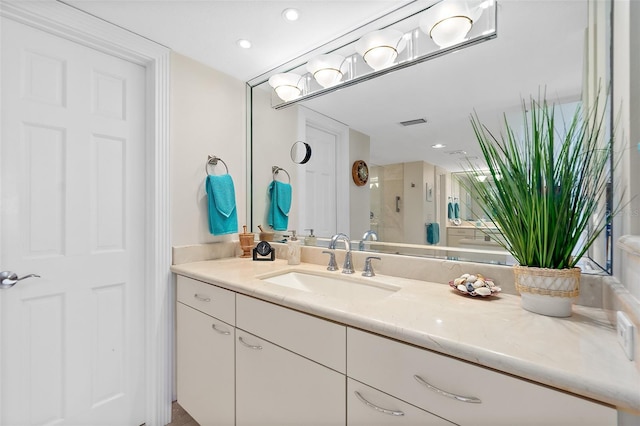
column 333, row 285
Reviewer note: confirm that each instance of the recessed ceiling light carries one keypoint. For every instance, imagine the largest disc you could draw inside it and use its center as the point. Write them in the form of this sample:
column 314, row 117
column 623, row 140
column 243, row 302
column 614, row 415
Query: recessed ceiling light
column 438, row 146
column 245, row 44
column 290, row 14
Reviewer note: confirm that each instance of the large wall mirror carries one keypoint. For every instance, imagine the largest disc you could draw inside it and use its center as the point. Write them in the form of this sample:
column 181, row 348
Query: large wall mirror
column 411, row 128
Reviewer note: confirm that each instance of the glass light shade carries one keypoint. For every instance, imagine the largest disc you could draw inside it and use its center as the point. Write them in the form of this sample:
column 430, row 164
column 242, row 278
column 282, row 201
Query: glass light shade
column 449, row 22
column 328, row 70
column 380, row 48
column 287, row 85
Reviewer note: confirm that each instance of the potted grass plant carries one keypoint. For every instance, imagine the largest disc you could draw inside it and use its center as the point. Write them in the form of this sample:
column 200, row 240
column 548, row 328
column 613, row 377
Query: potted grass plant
column 545, row 188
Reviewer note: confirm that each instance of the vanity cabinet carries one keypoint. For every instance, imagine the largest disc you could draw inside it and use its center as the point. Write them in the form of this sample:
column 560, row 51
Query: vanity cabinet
column 205, row 352
column 455, row 234
column 367, row 406
column 289, row 367
column 461, row 392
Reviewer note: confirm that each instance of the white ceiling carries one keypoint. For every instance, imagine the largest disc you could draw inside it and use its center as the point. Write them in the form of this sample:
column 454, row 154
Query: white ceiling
column 539, row 46
column 207, row 30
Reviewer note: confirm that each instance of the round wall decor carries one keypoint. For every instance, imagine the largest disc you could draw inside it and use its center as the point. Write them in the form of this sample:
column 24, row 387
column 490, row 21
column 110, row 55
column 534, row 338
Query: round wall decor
column 360, row 172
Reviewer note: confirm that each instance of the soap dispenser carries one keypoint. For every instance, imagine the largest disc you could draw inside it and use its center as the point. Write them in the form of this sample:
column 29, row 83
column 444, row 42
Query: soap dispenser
column 310, row 240
column 293, row 249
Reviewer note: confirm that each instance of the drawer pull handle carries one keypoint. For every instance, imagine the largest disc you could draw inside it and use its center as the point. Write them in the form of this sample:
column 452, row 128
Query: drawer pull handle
column 256, row 347
column 379, row 409
column 470, row 399
column 202, row 298
column 226, row 333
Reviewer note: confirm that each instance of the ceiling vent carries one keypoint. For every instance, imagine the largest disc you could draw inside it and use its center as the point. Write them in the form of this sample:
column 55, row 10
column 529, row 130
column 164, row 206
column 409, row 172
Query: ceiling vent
column 413, row 122
column 457, row 152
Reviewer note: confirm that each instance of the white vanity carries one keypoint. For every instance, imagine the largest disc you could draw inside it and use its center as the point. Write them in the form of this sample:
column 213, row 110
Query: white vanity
column 250, row 352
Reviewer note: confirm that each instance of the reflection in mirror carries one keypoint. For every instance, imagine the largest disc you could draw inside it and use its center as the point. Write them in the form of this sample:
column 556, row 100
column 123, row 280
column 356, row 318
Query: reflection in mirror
column 412, row 128
column 300, row 152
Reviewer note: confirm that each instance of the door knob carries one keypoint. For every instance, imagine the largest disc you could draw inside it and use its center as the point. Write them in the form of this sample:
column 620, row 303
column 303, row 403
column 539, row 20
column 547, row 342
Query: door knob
column 8, row 278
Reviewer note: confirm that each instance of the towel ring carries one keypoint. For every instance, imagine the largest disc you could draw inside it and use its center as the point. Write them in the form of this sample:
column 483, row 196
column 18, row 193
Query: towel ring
column 213, row 160
column 276, row 169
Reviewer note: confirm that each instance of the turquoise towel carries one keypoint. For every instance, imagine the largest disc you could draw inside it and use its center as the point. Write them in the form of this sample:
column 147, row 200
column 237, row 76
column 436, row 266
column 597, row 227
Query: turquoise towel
column 456, row 210
column 449, row 210
column 433, row 233
column 280, row 194
column 223, row 217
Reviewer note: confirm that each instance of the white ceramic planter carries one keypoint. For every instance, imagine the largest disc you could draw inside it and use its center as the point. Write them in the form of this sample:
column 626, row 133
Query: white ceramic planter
column 553, row 306
column 548, row 292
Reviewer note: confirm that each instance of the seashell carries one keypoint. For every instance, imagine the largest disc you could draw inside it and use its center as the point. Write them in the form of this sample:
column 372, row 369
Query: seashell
column 465, row 276
column 471, row 278
column 458, row 281
column 470, row 287
column 483, row 291
column 479, row 283
column 461, row 287
column 490, row 284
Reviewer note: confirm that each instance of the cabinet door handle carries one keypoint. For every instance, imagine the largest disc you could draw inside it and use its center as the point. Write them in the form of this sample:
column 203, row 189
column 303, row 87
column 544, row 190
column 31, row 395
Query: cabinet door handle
column 379, row 409
column 470, row 399
column 226, row 333
column 202, row 298
column 256, row 347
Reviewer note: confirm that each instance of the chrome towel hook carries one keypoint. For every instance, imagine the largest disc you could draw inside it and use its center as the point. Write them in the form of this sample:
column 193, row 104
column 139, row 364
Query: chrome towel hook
column 213, row 160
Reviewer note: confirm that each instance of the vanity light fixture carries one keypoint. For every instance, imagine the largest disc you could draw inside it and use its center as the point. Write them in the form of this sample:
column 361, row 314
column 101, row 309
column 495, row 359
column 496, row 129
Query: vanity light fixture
column 327, row 70
column 290, row 14
column 449, row 21
column 386, row 50
column 381, row 48
column 288, row 85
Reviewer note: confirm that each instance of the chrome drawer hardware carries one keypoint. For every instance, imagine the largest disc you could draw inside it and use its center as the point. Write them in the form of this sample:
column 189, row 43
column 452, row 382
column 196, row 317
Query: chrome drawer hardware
column 226, row 333
column 375, row 407
column 202, row 298
column 256, row 347
column 470, row 399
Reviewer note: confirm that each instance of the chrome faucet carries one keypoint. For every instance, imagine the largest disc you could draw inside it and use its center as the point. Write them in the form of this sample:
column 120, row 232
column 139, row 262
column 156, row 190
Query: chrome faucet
column 368, row 269
column 347, row 268
column 370, row 233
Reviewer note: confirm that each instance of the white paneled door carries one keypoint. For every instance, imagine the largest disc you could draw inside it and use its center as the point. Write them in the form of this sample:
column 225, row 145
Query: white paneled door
column 72, row 211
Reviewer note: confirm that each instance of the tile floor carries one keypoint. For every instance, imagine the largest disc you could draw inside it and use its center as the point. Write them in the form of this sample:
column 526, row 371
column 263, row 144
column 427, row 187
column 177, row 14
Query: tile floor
column 179, row 417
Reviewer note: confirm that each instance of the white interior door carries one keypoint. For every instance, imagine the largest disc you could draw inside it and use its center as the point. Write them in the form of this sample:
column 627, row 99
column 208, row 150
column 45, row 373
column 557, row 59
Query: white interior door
column 72, row 211
column 323, row 198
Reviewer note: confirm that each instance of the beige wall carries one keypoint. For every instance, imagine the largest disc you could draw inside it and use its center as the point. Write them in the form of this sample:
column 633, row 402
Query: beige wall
column 359, row 196
column 207, row 118
column 413, row 203
column 273, row 133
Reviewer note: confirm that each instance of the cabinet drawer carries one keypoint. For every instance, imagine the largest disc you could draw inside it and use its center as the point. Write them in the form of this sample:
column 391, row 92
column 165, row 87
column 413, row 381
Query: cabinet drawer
column 205, row 355
column 207, row 298
column 317, row 339
column 275, row 387
column 397, row 369
column 461, row 232
column 370, row 407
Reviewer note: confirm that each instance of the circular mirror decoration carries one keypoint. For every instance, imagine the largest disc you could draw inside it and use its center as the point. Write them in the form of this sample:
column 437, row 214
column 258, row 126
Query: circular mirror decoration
column 300, row 152
column 360, row 172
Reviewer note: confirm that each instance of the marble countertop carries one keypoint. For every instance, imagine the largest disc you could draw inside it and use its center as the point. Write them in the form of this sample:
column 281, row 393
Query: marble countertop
column 579, row 354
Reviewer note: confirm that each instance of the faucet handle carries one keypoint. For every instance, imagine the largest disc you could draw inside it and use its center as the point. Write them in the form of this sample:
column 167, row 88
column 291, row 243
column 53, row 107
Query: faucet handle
column 333, row 266
column 368, row 269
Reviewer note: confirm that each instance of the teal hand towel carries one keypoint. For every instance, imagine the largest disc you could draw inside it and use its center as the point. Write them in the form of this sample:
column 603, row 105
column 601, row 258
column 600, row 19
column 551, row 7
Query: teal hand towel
column 223, row 217
column 433, row 233
column 280, row 194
